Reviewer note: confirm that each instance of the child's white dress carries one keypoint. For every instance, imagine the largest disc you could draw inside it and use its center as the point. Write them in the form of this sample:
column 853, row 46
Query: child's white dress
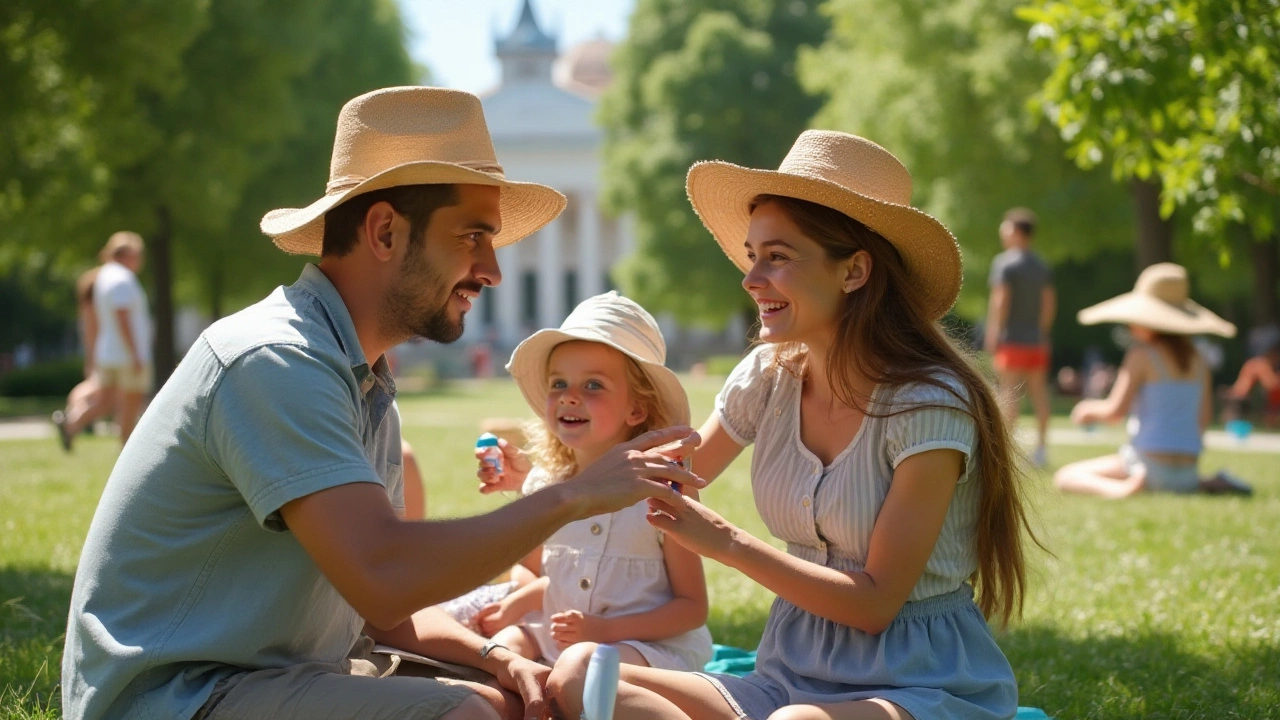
column 611, row 565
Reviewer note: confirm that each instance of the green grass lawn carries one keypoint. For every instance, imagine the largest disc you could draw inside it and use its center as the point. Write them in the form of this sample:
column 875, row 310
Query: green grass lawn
column 1157, row 607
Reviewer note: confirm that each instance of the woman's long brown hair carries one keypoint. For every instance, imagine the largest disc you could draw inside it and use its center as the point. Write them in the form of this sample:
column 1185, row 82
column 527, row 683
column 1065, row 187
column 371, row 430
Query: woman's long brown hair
column 885, row 335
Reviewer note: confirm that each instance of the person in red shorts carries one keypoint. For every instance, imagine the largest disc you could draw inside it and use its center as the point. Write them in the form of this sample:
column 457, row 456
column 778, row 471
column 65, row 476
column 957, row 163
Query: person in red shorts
column 1019, row 320
column 1262, row 371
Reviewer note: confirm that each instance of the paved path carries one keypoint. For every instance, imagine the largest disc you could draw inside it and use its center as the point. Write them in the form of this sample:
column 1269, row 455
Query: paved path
column 34, row 428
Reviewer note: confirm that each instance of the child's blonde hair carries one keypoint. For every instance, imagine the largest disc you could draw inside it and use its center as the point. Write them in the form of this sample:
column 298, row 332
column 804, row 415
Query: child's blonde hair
column 553, row 456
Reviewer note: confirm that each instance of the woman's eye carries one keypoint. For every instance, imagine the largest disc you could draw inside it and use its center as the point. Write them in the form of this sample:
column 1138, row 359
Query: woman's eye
column 751, row 256
column 777, row 257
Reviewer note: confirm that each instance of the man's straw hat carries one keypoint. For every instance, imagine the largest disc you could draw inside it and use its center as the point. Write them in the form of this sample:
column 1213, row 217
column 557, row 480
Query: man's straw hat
column 846, row 173
column 617, row 322
column 1159, row 301
column 412, row 136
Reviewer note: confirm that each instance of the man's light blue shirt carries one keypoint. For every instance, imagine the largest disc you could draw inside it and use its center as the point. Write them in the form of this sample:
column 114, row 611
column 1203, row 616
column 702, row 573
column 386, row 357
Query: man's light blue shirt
column 188, row 574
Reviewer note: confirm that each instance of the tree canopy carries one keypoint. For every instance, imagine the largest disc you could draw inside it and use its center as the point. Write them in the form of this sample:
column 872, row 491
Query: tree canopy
column 698, row 80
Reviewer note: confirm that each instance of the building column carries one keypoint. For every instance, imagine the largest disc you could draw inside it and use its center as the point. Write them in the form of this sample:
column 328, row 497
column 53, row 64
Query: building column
column 550, row 276
column 507, row 296
column 590, row 274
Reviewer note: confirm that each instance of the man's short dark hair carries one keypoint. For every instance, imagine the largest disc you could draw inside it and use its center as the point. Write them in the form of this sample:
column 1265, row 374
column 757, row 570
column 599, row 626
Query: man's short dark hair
column 1024, row 220
column 415, row 202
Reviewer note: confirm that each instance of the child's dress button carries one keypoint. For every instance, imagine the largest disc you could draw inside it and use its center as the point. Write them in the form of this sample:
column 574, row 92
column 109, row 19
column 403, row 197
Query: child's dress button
column 585, row 583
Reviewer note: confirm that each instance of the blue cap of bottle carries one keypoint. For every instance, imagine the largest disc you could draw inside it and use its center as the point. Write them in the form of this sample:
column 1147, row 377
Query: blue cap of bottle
column 487, row 440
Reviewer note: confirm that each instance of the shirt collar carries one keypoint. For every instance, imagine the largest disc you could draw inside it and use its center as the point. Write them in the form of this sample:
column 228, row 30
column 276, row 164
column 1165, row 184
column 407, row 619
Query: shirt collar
column 318, row 284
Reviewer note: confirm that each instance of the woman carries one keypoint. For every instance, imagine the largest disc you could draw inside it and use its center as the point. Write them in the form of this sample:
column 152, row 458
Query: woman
column 1163, row 388
column 882, row 460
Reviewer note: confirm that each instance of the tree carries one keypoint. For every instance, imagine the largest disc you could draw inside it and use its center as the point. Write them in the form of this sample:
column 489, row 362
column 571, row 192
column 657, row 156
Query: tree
column 1180, row 97
column 944, row 88
column 711, row 79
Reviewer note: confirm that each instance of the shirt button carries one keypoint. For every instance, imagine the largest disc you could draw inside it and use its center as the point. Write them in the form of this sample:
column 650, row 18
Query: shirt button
column 596, row 529
column 585, row 583
column 805, row 502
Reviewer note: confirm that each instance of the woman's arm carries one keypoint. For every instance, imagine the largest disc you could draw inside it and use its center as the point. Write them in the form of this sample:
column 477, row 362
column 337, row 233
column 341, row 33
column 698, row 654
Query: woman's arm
column 902, row 540
column 1115, row 407
column 1206, row 398
column 717, row 451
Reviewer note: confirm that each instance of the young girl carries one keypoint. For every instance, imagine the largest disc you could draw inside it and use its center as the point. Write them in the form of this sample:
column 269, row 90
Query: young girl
column 1164, row 388
column 595, row 382
column 881, row 460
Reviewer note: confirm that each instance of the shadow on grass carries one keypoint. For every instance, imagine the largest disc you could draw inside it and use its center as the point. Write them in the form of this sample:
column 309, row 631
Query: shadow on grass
column 33, row 622
column 1151, row 675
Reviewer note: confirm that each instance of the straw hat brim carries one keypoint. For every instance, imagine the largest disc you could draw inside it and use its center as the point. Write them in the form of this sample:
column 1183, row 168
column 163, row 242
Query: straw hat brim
column 1134, row 308
column 722, row 192
column 528, row 367
column 525, row 207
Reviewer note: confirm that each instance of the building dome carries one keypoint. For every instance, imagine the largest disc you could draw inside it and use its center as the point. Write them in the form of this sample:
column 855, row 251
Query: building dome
column 585, row 67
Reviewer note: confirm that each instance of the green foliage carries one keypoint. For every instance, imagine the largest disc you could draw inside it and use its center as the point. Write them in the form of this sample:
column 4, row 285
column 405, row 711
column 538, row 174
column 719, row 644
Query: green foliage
column 1179, row 90
column 50, row 379
column 944, row 87
column 711, row 79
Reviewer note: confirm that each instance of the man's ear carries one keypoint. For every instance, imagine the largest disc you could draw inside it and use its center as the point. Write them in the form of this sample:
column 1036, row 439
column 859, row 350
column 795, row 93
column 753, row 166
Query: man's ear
column 857, row 269
column 381, row 223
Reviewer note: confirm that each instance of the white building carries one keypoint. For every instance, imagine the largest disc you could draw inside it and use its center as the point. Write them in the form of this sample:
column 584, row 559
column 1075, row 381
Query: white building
column 541, row 118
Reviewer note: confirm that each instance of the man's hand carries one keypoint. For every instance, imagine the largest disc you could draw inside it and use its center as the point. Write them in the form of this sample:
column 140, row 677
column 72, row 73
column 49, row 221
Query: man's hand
column 575, row 626
column 515, row 467
column 527, row 678
column 636, row 470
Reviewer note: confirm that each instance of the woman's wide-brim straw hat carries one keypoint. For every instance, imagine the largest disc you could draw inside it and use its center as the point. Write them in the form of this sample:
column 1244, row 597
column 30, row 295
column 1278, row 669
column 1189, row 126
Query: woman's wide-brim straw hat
column 413, row 136
column 846, row 173
column 617, row 322
column 1160, row 301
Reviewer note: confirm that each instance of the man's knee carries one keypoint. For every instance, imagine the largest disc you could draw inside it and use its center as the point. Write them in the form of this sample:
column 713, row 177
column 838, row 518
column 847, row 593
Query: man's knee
column 473, row 708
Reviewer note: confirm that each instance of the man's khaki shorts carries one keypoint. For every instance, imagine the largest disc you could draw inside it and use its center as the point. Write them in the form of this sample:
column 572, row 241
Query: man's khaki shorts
column 363, row 686
column 125, row 378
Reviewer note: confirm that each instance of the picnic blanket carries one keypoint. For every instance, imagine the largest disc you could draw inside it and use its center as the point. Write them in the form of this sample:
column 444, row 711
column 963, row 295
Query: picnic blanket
column 736, row 661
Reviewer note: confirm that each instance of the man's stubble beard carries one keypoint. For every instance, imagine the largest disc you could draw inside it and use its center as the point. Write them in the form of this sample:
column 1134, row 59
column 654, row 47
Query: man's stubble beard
column 406, row 313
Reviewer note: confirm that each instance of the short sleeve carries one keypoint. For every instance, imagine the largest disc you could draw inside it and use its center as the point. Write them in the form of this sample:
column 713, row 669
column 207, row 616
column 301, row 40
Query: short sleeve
column 938, row 422
column 282, row 425
column 999, row 272
column 119, row 295
column 741, row 403
column 535, row 481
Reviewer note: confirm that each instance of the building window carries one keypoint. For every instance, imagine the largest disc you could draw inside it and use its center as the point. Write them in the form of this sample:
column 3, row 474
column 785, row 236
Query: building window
column 529, row 293
column 570, row 291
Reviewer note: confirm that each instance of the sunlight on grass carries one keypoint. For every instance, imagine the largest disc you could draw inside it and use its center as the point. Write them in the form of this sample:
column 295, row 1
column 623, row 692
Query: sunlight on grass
column 1157, row 607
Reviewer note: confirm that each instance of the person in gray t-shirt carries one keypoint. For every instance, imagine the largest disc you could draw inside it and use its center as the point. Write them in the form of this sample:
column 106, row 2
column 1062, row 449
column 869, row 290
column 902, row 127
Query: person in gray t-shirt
column 1019, row 319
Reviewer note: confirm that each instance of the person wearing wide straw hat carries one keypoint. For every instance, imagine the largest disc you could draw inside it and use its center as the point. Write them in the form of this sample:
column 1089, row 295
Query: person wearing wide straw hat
column 876, row 440
column 595, row 381
column 248, row 551
column 1163, row 387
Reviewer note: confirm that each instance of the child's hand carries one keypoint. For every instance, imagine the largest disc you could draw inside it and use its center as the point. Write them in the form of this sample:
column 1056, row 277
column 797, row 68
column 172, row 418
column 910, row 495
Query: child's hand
column 515, row 466
column 493, row 617
column 575, row 626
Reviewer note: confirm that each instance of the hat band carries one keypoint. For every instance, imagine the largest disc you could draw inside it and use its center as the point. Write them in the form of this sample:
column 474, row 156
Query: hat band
column 346, row 182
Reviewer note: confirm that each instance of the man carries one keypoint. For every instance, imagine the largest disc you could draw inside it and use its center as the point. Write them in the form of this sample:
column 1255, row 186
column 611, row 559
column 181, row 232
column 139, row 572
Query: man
column 247, row 551
column 122, row 350
column 1019, row 320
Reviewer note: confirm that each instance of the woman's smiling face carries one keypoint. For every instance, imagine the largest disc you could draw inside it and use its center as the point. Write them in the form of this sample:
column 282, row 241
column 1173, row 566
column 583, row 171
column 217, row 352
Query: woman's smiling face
column 795, row 285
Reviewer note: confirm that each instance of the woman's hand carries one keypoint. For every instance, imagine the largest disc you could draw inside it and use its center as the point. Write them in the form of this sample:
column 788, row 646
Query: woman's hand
column 693, row 525
column 575, row 626
column 515, row 466
column 1084, row 413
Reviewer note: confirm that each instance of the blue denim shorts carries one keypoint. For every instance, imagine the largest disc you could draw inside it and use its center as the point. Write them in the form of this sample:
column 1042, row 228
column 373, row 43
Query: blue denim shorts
column 1161, row 476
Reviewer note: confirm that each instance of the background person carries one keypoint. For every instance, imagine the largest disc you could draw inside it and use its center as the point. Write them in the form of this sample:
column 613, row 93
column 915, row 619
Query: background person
column 122, row 353
column 1163, row 388
column 1019, row 321
column 86, row 402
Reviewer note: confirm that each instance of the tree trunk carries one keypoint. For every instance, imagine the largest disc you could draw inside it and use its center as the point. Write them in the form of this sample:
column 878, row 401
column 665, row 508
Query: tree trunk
column 1155, row 234
column 161, row 261
column 1266, row 278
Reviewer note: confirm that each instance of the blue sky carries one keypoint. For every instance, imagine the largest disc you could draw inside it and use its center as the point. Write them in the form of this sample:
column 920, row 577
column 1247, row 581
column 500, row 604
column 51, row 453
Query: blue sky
column 454, row 38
